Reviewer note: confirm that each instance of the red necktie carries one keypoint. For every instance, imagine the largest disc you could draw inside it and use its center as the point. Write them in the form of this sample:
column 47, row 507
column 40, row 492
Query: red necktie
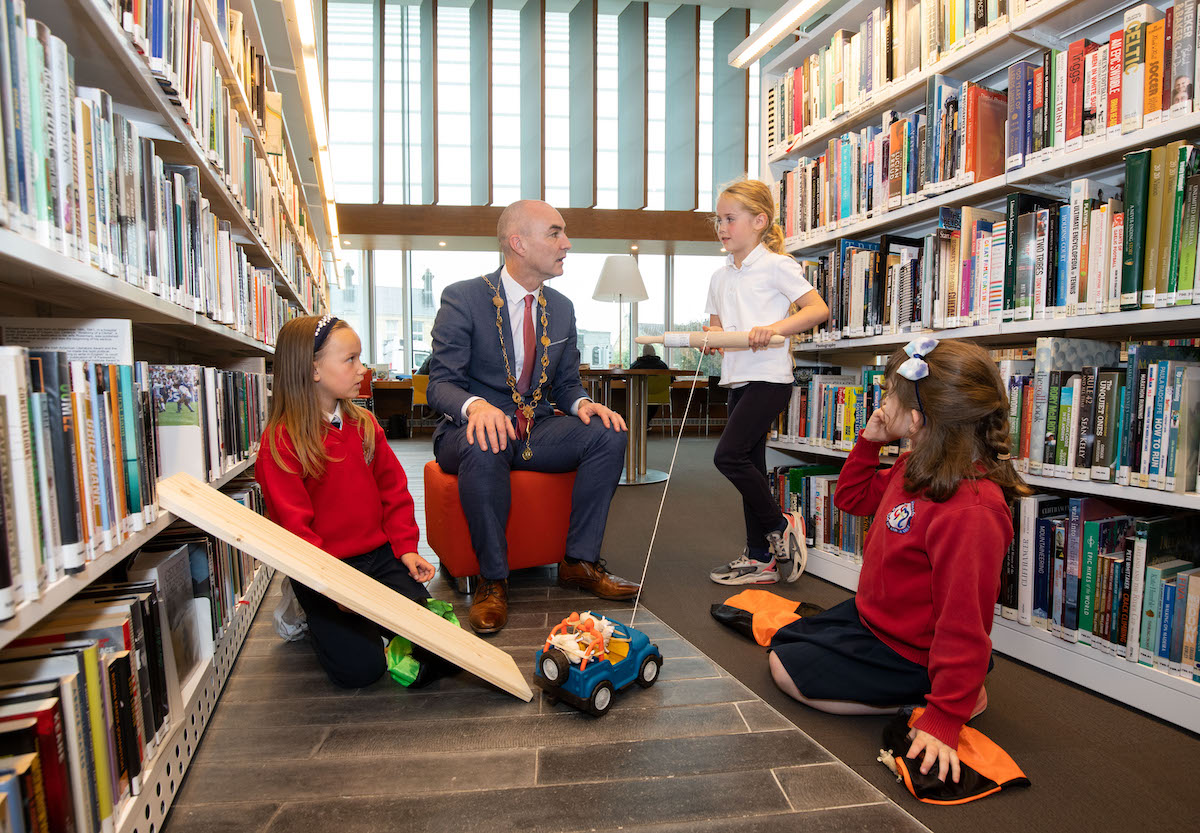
column 527, row 365
column 526, row 368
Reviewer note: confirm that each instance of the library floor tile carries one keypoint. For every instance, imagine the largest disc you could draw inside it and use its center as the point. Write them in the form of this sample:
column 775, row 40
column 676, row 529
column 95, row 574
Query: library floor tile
column 557, row 809
column 677, row 756
column 870, row 818
column 825, row 786
column 398, row 774
column 556, row 729
column 250, row 817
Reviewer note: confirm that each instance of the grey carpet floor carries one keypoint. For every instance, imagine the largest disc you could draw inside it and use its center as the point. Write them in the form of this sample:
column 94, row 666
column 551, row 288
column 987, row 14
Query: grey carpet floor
column 287, row 751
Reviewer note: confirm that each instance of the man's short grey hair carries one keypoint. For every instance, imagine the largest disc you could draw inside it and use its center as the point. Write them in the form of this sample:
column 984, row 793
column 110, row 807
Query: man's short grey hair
column 512, row 221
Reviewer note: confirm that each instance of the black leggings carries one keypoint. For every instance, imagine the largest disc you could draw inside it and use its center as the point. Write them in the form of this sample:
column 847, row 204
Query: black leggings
column 348, row 645
column 742, row 454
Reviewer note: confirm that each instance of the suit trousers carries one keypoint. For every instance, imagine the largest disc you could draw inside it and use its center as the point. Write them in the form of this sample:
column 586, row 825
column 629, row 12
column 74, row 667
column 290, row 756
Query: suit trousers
column 560, row 444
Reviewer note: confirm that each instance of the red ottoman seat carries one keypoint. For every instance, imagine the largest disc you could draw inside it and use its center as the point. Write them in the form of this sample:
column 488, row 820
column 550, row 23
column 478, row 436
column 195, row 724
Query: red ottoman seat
column 537, row 522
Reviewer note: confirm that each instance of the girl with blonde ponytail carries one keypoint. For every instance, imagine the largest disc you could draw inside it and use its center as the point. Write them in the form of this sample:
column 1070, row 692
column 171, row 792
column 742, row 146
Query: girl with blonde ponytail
column 755, row 291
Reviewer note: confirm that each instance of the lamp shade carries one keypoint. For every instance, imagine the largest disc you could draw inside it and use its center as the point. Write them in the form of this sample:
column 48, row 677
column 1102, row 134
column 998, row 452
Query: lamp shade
column 620, row 280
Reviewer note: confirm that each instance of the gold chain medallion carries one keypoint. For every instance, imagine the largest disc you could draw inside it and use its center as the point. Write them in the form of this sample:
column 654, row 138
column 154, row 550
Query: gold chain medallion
column 526, row 408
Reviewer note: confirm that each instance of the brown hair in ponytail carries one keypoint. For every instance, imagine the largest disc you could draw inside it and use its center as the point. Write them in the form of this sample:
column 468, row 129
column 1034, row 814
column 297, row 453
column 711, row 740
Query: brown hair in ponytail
column 756, row 198
column 965, row 436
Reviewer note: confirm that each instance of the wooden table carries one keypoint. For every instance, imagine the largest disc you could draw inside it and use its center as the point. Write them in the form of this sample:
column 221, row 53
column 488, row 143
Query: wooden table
column 637, row 384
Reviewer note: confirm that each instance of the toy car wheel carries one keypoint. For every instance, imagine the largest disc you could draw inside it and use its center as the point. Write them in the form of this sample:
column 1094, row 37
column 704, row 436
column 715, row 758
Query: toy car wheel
column 648, row 673
column 554, row 666
column 601, row 699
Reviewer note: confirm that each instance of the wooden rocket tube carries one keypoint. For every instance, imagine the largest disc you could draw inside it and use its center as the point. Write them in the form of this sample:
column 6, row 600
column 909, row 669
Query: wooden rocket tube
column 694, row 338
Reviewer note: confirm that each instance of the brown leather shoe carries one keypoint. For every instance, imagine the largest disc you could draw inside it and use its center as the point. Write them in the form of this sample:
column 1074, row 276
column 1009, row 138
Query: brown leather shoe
column 489, row 606
column 595, row 579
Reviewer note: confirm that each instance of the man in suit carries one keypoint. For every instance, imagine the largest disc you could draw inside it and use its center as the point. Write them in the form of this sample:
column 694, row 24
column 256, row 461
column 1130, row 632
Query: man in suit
column 504, row 349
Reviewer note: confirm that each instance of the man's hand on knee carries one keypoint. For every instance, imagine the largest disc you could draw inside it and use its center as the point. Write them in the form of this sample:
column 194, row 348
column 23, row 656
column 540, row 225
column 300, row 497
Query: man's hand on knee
column 489, row 427
column 611, row 419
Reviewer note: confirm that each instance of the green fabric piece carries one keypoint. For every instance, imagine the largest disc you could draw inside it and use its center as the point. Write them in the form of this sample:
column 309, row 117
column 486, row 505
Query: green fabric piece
column 401, row 664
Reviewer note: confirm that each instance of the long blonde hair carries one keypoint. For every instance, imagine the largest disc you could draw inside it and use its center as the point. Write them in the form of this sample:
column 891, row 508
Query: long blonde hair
column 294, row 405
column 756, row 198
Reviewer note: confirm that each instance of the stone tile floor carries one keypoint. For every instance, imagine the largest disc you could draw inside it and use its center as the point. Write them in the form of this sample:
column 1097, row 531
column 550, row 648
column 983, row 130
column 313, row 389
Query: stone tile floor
column 288, row 751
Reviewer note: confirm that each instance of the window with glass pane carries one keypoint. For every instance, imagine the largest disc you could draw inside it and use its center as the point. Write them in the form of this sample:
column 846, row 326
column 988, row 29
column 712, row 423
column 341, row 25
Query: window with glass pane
column 349, row 302
column 607, row 171
column 704, row 184
column 390, row 342
column 454, row 102
column 506, row 106
column 656, row 113
column 352, row 99
column 690, row 295
column 431, row 272
column 558, row 109
column 597, row 322
column 402, row 101
column 652, row 313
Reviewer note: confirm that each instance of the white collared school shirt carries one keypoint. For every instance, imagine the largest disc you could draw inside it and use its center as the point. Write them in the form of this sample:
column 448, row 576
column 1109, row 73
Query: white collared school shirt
column 757, row 294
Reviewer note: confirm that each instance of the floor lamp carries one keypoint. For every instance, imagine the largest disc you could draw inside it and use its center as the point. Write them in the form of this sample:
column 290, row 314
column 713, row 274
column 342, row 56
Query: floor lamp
column 620, row 281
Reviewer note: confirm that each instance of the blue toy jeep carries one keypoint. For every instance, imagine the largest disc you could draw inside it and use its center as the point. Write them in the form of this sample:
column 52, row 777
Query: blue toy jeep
column 587, row 659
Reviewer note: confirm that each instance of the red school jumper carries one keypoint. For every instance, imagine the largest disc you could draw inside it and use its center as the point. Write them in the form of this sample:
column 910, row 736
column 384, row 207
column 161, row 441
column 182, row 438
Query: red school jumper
column 363, row 504
column 930, row 578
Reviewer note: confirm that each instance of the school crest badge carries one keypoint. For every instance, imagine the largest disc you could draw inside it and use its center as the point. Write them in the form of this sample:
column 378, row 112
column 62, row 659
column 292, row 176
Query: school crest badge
column 899, row 519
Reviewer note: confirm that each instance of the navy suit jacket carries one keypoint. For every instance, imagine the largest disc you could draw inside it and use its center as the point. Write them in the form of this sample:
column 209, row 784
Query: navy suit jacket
column 467, row 361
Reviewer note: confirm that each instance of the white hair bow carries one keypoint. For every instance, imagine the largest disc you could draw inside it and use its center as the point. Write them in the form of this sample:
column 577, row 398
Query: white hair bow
column 915, row 367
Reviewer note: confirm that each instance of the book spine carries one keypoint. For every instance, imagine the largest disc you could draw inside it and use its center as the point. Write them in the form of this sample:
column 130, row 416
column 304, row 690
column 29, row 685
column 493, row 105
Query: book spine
column 1116, row 63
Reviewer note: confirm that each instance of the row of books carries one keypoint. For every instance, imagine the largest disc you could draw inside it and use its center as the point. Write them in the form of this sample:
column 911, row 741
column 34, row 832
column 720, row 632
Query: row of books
column 90, row 695
column 1076, row 411
column 1039, row 259
column 1088, row 572
column 893, row 41
column 79, row 177
column 88, row 432
column 809, row 489
column 1142, row 74
column 868, row 172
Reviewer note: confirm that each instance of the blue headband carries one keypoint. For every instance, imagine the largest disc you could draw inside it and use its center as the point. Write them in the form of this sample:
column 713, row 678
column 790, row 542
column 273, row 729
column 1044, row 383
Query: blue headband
column 324, row 328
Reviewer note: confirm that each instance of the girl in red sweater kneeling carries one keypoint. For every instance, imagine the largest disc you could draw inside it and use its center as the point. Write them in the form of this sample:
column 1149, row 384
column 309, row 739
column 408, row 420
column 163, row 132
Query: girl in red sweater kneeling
column 919, row 628
column 328, row 475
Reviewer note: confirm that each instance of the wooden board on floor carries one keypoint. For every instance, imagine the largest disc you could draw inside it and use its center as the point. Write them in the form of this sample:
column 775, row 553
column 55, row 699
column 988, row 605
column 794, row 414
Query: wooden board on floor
column 215, row 513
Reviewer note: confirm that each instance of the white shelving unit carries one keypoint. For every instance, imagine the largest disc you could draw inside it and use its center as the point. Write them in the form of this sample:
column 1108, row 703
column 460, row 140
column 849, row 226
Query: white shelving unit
column 36, row 280
column 162, row 776
column 30, row 613
column 1042, row 24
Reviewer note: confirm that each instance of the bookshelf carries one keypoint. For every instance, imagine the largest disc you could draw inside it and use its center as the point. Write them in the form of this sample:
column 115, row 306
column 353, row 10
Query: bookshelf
column 162, row 776
column 1029, row 28
column 36, row 272
column 41, row 280
column 30, row 613
column 105, row 56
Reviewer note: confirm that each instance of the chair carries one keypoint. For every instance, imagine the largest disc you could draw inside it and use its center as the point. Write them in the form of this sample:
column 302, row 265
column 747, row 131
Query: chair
column 420, row 389
column 366, row 394
column 536, row 531
column 658, row 393
column 717, row 396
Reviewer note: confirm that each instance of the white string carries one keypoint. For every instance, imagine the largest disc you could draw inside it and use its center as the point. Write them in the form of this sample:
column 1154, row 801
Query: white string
column 666, row 484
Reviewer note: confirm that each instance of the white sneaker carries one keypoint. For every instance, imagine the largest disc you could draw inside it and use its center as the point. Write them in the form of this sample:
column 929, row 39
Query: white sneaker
column 789, row 548
column 745, row 570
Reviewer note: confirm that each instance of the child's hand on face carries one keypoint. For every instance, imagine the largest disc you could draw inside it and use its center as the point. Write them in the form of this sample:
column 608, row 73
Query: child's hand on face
column 877, row 430
column 418, row 567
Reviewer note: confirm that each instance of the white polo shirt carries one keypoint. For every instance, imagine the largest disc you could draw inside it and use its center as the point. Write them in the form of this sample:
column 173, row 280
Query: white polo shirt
column 757, row 294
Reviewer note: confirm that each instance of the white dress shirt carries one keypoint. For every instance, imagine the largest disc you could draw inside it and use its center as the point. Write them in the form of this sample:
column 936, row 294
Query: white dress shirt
column 515, row 294
column 757, row 294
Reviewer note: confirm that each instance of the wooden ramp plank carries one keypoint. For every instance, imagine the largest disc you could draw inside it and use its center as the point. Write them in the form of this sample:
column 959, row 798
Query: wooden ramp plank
column 219, row 515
